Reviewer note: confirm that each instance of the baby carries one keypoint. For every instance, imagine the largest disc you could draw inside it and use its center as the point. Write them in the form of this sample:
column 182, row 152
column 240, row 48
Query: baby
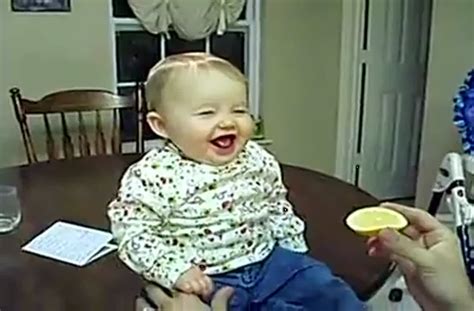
column 209, row 208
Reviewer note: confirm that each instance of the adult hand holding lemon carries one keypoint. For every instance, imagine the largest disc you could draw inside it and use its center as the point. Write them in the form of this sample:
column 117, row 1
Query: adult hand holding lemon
column 429, row 257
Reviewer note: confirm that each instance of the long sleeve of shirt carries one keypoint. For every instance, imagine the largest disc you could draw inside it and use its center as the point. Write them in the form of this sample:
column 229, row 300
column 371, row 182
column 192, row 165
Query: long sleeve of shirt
column 135, row 223
column 287, row 228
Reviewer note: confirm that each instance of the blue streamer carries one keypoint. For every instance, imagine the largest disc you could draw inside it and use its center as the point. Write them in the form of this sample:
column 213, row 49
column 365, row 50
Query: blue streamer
column 464, row 113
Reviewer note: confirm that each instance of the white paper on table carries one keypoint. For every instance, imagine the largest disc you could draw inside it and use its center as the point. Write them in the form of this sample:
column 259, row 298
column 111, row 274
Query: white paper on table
column 74, row 244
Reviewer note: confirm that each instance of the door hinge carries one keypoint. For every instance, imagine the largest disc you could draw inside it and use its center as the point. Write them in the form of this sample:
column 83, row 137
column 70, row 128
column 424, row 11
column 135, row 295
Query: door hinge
column 356, row 175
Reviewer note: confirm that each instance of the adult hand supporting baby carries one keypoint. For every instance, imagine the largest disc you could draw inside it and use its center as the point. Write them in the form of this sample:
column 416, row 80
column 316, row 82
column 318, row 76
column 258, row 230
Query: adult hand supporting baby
column 429, row 257
column 182, row 301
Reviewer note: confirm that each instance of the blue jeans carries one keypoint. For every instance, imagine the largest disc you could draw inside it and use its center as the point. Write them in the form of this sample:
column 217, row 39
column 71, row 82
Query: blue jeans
column 286, row 280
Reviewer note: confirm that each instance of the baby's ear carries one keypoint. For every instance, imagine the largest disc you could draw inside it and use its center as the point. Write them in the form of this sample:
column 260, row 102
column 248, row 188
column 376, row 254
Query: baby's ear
column 156, row 123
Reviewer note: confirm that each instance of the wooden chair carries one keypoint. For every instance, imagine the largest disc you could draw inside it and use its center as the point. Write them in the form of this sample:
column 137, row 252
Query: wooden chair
column 78, row 102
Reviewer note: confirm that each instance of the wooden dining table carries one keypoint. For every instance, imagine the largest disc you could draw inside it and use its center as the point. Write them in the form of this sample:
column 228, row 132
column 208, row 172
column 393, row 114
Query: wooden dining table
column 79, row 190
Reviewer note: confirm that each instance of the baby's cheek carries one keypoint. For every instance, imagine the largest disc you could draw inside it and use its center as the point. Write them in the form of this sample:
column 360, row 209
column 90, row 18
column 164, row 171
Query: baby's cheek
column 247, row 127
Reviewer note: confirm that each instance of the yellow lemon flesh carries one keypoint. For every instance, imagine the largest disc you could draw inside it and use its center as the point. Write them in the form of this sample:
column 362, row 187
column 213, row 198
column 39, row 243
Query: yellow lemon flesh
column 368, row 221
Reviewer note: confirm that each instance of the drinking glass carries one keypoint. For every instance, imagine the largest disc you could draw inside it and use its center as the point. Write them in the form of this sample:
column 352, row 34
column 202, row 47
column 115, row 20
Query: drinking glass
column 10, row 212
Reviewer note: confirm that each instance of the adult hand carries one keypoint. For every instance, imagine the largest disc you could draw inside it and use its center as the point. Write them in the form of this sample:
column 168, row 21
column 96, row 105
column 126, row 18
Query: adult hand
column 182, row 301
column 429, row 256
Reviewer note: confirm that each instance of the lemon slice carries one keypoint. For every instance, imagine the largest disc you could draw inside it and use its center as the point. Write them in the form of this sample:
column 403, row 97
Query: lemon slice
column 368, row 221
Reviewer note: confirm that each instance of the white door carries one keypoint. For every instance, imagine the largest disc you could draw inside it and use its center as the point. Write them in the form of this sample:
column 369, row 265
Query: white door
column 392, row 82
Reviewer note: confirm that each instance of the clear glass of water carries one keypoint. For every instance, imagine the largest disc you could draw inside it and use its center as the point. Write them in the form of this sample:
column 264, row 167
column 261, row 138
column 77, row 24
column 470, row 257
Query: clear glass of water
column 10, row 212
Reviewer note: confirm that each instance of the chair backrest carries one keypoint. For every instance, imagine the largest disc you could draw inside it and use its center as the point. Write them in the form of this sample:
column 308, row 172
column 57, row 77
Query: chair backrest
column 78, row 102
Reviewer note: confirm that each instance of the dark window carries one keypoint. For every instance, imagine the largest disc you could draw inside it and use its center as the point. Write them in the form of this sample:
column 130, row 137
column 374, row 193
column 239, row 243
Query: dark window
column 176, row 45
column 137, row 52
column 121, row 8
column 230, row 46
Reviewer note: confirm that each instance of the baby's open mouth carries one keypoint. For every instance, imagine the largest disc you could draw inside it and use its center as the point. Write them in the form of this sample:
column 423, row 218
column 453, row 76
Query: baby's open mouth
column 224, row 141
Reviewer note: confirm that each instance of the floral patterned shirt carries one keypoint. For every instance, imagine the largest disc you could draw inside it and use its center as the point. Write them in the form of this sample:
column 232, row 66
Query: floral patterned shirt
column 172, row 213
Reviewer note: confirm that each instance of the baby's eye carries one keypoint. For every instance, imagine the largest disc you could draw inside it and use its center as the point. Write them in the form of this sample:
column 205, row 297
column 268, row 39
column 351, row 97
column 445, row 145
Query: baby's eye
column 205, row 112
column 240, row 110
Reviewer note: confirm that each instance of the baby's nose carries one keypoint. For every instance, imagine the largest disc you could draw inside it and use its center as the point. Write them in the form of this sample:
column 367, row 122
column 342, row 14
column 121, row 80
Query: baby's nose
column 227, row 123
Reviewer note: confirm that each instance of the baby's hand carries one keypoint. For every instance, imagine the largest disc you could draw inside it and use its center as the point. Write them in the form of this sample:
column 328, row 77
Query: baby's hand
column 194, row 281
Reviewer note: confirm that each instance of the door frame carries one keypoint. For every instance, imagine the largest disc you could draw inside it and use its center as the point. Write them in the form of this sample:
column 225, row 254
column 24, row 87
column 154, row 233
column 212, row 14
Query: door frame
column 349, row 88
column 352, row 33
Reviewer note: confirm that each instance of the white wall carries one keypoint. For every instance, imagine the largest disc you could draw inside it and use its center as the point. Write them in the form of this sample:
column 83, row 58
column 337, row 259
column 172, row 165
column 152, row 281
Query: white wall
column 301, row 51
column 44, row 52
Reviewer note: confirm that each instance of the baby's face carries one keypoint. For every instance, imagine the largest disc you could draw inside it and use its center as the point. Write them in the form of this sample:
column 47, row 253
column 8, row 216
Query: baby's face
column 206, row 115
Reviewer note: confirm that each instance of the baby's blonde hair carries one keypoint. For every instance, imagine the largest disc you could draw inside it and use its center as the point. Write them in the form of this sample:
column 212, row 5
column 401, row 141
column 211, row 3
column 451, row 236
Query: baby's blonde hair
column 166, row 70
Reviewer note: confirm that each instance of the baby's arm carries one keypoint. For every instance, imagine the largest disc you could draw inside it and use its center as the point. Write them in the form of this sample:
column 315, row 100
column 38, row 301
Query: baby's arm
column 287, row 228
column 138, row 216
